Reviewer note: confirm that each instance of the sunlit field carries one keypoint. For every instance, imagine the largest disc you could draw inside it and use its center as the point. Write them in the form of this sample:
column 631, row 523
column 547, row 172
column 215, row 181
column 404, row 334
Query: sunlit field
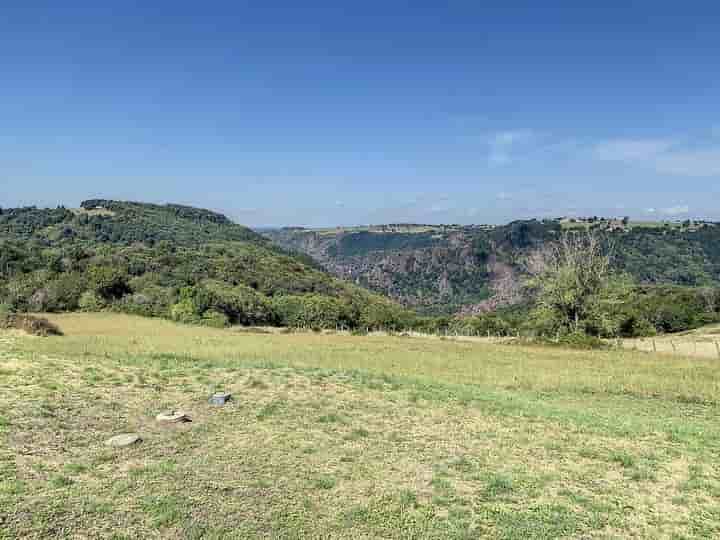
column 702, row 342
column 339, row 436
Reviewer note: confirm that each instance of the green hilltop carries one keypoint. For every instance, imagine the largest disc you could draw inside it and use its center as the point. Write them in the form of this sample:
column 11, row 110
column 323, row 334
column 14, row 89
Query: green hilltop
column 175, row 261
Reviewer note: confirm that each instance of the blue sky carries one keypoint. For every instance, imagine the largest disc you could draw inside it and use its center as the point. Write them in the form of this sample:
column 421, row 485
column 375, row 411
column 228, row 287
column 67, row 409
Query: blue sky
column 325, row 113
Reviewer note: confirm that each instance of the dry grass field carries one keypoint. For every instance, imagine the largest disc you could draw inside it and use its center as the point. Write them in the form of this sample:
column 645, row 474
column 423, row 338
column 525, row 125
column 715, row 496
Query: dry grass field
column 703, row 342
column 335, row 436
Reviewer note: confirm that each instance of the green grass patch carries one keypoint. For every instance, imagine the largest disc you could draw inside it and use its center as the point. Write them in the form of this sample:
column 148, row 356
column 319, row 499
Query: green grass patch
column 324, row 481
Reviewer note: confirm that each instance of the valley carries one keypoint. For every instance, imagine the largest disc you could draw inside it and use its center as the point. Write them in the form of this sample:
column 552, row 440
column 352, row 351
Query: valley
column 448, row 269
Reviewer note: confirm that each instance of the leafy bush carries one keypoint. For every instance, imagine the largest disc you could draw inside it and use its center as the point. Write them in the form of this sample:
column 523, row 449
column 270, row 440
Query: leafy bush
column 185, row 311
column 91, row 301
column 310, row 311
column 240, row 304
column 384, row 315
column 581, row 340
column 151, row 301
column 636, row 326
column 5, row 309
column 667, row 309
column 108, row 281
column 61, row 293
column 492, row 324
column 215, row 319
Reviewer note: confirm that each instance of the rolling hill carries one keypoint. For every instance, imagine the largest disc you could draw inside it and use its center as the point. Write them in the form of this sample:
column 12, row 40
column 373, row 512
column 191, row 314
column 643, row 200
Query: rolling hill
column 190, row 264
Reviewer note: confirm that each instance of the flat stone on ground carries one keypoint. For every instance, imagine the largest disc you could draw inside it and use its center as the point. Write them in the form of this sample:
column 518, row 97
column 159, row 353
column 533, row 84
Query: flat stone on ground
column 124, row 439
column 173, row 416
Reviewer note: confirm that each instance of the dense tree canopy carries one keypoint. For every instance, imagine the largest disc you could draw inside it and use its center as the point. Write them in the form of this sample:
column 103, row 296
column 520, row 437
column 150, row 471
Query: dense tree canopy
column 169, row 261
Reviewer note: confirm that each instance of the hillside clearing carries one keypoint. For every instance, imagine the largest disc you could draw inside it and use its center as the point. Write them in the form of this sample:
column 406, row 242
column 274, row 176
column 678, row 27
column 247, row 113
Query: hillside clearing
column 350, row 437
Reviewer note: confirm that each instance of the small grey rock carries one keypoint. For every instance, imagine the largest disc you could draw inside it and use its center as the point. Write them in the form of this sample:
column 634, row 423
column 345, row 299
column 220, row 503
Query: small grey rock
column 125, row 439
column 220, row 398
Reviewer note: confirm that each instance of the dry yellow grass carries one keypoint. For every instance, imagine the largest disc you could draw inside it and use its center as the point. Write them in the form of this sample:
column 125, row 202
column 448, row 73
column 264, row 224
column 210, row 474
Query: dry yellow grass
column 501, row 366
column 701, row 343
column 350, row 437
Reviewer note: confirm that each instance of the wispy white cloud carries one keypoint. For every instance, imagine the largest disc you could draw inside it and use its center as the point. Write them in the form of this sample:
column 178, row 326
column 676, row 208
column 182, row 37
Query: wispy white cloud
column 631, row 149
column 666, row 156
column 679, row 155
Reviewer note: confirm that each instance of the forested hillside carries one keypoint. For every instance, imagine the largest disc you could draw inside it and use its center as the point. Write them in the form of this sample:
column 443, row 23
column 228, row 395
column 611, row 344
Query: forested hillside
column 171, row 261
column 197, row 266
column 447, row 269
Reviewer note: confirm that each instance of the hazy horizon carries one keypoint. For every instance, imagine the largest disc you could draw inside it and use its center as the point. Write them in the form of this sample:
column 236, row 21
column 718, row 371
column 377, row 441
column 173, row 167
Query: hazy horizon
column 608, row 215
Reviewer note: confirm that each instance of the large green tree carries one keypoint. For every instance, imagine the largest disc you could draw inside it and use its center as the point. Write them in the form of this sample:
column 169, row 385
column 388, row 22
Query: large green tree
column 577, row 290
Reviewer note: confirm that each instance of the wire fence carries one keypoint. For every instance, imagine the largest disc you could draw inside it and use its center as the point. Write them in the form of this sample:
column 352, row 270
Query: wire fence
column 703, row 347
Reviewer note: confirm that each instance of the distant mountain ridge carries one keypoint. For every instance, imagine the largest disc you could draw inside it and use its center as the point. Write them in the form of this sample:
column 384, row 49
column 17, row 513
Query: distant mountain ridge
column 446, row 269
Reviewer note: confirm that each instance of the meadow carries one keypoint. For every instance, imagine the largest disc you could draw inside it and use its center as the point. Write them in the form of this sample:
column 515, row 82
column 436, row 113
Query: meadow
column 702, row 342
column 341, row 436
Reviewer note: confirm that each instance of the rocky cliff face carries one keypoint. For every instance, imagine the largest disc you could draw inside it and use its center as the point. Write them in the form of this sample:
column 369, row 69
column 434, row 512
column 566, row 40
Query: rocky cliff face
column 449, row 269
column 443, row 269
